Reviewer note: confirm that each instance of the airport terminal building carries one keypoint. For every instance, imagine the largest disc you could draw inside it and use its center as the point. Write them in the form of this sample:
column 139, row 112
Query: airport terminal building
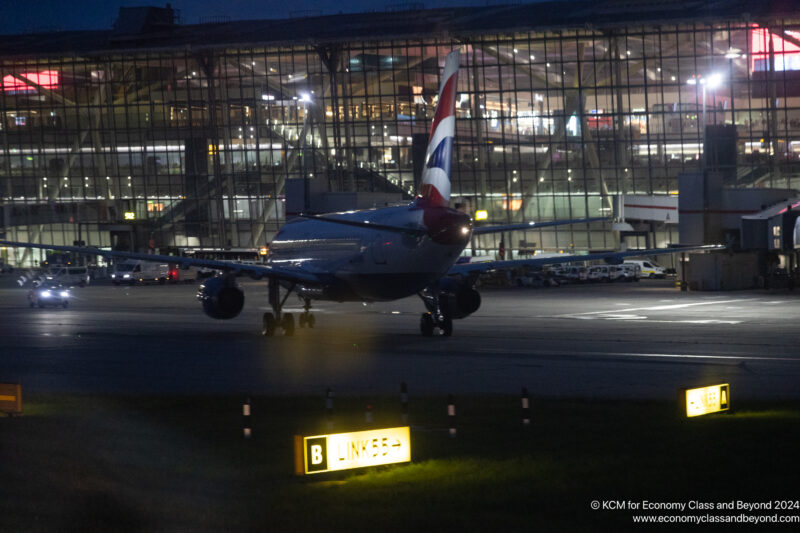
column 166, row 136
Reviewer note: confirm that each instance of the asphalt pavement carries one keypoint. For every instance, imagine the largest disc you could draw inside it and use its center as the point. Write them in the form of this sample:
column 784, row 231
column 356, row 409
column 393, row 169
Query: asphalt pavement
column 619, row 340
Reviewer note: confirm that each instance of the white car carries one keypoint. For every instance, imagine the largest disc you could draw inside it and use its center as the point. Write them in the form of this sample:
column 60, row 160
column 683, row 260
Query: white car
column 49, row 293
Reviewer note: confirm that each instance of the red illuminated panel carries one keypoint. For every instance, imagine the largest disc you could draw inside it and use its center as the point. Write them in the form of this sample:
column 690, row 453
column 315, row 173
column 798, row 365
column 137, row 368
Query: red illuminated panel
column 47, row 79
column 787, row 54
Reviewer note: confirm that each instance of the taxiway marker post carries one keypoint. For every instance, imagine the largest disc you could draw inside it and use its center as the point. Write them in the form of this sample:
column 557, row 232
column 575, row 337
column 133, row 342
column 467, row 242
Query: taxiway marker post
column 248, row 431
column 451, row 415
column 329, row 408
column 404, row 401
column 526, row 407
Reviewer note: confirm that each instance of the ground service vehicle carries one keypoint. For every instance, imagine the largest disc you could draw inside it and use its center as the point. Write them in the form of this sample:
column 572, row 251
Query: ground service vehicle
column 630, row 272
column 605, row 273
column 648, row 269
column 67, row 275
column 132, row 272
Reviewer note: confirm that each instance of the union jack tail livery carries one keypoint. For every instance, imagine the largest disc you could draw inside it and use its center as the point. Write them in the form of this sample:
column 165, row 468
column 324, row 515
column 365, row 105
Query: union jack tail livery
column 435, row 188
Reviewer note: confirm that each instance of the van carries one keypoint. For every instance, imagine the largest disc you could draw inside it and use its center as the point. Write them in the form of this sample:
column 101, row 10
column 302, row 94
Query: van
column 605, row 273
column 648, row 269
column 598, row 273
column 630, row 272
column 576, row 274
column 178, row 274
column 140, row 272
column 67, row 275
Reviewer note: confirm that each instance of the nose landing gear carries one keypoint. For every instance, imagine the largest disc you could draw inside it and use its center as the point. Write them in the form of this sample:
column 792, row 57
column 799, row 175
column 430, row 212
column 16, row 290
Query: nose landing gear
column 306, row 318
column 428, row 323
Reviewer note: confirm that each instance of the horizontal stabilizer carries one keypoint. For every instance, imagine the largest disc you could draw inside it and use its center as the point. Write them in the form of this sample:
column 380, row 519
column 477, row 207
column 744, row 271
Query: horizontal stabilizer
column 368, row 225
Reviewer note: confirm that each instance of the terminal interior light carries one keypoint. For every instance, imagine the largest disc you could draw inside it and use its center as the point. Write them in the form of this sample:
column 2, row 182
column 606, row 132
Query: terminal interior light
column 714, row 80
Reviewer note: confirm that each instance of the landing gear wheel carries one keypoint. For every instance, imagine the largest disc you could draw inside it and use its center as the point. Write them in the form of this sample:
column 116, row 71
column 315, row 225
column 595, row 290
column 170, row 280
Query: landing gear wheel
column 426, row 324
column 32, row 304
column 65, row 304
column 269, row 325
column 301, row 321
column 287, row 323
column 446, row 326
column 311, row 320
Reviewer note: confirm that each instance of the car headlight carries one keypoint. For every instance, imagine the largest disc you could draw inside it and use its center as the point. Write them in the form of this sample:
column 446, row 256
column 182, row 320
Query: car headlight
column 65, row 294
column 45, row 294
column 113, row 276
column 126, row 276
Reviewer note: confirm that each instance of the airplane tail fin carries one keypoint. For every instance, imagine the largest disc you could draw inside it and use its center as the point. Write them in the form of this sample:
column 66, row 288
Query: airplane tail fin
column 435, row 186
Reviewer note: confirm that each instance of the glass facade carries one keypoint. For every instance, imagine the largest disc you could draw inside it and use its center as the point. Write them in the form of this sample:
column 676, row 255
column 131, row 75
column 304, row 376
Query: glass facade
column 183, row 148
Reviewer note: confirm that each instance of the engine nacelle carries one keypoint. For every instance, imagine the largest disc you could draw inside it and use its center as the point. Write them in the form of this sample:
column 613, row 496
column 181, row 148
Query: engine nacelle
column 461, row 302
column 221, row 297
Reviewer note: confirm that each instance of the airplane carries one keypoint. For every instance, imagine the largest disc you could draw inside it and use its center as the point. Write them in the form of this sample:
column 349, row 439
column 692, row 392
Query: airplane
column 377, row 254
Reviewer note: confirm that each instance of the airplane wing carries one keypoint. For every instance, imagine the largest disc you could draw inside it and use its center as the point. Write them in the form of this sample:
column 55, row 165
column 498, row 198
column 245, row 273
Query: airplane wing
column 609, row 257
column 481, row 230
column 288, row 273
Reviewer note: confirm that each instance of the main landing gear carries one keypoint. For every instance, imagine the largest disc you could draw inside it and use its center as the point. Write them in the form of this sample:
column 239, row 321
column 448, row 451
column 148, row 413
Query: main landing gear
column 436, row 317
column 272, row 321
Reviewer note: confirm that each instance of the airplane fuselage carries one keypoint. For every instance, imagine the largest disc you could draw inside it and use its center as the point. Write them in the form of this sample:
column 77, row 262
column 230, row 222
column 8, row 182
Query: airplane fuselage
column 364, row 264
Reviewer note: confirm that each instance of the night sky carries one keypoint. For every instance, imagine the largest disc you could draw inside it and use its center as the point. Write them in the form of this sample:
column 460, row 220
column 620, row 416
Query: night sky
column 27, row 16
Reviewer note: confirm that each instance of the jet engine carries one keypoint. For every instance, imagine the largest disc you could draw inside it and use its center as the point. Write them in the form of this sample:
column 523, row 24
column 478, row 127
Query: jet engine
column 221, row 297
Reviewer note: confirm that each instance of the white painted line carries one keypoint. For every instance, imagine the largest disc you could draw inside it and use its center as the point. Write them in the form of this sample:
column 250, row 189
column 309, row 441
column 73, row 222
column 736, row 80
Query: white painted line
column 642, row 318
column 690, row 356
column 634, row 355
column 659, row 307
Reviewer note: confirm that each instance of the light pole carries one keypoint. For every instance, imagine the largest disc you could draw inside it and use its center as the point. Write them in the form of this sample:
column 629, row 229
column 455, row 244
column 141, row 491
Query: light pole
column 712, row 82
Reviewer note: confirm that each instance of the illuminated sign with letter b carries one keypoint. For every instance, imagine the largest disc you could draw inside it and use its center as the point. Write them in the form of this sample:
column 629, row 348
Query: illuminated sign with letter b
column 317, row 454
column 343, row 451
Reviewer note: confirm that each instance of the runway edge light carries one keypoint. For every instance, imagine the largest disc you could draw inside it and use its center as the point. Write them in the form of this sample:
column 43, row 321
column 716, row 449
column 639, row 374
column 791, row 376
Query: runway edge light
column 706, row 400
column 345, row 451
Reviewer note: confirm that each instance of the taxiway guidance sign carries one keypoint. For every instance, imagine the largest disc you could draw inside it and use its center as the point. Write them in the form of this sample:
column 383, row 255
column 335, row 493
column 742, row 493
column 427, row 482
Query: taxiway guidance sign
column 705, row 400
column 343, row 451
